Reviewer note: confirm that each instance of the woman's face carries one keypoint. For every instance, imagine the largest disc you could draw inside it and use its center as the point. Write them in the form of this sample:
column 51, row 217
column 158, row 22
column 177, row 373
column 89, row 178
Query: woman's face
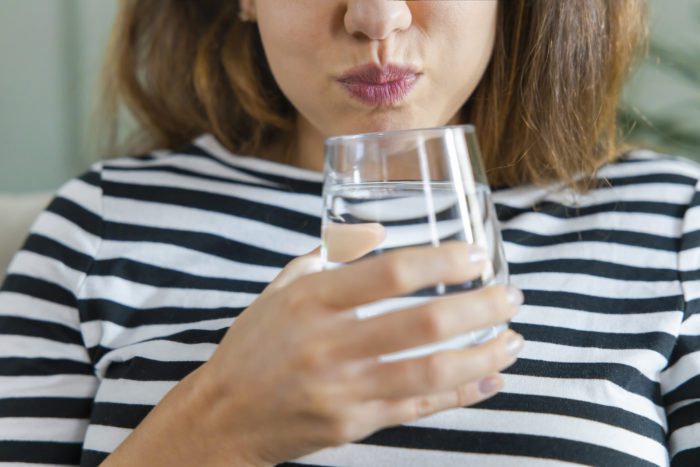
column 353, row 66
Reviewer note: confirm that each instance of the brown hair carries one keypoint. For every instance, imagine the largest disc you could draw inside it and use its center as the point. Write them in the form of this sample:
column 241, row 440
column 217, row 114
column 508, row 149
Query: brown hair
column 545, row 109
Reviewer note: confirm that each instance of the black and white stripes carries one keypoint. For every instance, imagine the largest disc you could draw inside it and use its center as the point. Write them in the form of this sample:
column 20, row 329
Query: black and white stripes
column 132, row 275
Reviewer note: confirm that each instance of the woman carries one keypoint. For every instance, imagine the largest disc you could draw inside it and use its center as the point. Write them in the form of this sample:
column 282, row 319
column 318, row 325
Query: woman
column 144, row 322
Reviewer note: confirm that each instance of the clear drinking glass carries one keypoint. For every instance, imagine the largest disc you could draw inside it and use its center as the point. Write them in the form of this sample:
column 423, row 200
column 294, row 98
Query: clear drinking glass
column 410, row 187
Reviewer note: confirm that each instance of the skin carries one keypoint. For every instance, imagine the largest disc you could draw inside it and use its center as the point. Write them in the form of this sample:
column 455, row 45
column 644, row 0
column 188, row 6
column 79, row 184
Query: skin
column 318, row 382
column 449, row 42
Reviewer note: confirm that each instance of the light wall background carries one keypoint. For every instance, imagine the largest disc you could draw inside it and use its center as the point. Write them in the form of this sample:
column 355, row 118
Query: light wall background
column 51, row 52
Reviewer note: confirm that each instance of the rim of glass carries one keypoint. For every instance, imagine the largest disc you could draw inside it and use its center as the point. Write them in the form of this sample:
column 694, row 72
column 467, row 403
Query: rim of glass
column 467, row 128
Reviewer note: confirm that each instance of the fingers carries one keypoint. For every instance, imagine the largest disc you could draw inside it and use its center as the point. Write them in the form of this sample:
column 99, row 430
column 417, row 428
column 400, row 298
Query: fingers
column 409, row 409
column 395, row 273
column 437, row 320
column 437, row 372
column 382, row 413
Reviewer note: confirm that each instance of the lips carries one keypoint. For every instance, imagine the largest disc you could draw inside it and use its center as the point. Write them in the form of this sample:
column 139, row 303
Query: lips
column 379, row 86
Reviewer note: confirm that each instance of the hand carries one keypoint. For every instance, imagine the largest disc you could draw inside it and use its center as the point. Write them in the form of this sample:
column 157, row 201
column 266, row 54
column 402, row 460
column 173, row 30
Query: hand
column 297, row 372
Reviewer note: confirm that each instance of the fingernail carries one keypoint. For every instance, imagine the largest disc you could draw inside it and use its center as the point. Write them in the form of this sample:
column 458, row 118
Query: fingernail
column 489, row 385
column 476, row 254
column 515, row 296
column 514, row 344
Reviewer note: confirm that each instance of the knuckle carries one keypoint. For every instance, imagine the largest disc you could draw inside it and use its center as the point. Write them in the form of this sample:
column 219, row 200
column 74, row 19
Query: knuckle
column 457, row 259
column 492, row 303
column 503, row 296
column 478, row 306
column 423, row 407
column 395, row 273
column 464, row 395
column 489, row 361
column 433, row 321
column 436, row 370
column 502, row 309
column 312, row 358
column 317, row 402
column 296, row 295
column 341, row 430
column 494, row 295
column 296, row 292
column 461, row 249
column 294, row 262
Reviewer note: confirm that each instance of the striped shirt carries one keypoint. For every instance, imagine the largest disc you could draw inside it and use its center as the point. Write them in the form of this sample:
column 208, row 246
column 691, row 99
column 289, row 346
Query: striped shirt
column 134, row 272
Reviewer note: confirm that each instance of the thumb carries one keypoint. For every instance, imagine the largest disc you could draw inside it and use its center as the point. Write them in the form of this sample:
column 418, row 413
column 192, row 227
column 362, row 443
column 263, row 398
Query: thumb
column 299, row 266
column 344, row 243
column 348, row 242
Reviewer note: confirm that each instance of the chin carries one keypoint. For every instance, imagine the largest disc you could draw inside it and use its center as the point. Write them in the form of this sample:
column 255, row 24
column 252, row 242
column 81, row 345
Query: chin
column 380, row 121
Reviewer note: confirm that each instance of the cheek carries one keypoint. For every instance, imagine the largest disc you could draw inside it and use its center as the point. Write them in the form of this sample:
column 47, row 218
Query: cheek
column 287, row 44
column 291, row 36
column 467, row 39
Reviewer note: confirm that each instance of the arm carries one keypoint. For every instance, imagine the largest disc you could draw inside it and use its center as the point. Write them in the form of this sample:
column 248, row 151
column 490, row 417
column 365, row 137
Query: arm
column 318, row 383
column 315, row 385
column 46, row 376
column 680, row 382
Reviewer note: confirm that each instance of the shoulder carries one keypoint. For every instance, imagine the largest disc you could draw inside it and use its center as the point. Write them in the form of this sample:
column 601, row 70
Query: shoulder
column 80, row 199
column 653, row 176
column 640, row 191
column 202, row 163
column 206, row 171
column 636, row 175
column 643, row 165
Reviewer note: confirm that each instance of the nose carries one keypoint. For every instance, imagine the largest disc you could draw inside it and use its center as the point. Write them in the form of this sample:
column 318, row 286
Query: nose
column 376, row 19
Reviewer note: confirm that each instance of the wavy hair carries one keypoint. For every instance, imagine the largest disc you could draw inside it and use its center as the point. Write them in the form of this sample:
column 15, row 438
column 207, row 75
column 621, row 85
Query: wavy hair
column 545, row 109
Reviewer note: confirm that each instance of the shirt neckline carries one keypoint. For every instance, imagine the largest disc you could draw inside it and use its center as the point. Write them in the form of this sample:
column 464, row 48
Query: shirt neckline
column 213, row 146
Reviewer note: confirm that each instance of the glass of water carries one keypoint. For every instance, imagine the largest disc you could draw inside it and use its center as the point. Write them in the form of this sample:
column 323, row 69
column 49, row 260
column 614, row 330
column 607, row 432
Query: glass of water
column 405, row 188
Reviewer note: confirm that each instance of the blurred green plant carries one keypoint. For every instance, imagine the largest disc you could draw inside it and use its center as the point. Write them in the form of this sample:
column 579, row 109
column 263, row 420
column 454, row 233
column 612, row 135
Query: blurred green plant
column 661, row 107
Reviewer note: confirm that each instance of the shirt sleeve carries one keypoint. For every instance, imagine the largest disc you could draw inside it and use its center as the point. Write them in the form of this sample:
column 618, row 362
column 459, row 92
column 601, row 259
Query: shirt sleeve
column 47, row 383
column 680, row 383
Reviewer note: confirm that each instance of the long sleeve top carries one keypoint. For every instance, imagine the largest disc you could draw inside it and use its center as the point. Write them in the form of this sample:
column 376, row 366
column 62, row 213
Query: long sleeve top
column 131, row 276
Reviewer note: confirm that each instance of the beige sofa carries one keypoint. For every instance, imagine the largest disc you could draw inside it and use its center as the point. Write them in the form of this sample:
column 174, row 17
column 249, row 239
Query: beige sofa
column 17, row 212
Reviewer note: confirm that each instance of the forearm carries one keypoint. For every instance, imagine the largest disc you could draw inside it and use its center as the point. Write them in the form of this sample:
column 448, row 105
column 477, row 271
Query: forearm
column 181, row 431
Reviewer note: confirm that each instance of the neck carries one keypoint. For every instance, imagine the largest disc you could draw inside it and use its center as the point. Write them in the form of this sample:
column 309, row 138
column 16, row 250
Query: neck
column 307, row 146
